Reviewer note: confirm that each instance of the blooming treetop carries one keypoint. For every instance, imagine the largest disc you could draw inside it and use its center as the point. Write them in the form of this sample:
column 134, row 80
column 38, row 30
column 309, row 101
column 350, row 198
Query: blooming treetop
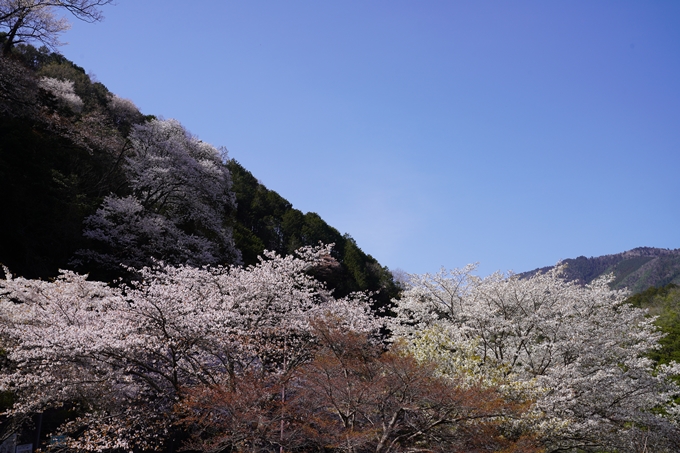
column 128, row 352
column 63, row 91
column 181, row 195
column 582, row 347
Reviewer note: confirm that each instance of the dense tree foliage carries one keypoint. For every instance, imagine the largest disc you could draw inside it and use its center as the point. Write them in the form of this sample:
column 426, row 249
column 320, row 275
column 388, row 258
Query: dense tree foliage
column 233, row 359
column 664, row 303
column 582, row 349
column 123, row 355
column 264, row 357
column 354, row 396
column 178, row 207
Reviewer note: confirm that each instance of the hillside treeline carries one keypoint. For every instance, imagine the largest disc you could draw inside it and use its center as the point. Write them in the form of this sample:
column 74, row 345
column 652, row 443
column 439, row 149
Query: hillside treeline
column 90, row 183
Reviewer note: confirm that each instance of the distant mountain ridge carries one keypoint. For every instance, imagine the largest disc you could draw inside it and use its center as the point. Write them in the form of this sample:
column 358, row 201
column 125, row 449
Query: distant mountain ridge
column 636, row 269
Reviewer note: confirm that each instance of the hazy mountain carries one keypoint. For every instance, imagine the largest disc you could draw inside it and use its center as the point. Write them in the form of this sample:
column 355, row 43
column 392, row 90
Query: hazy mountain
column 636, row 269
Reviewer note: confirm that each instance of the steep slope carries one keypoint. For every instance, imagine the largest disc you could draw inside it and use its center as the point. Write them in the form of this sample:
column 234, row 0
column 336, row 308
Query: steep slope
column 57, row 158
column 89, row 183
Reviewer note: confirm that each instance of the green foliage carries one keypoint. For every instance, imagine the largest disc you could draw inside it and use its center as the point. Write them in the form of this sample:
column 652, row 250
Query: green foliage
column 94, row 94
column 650, row 297
column 31, row 56
column 51, row 64
column 265, row 220
column 663, row 302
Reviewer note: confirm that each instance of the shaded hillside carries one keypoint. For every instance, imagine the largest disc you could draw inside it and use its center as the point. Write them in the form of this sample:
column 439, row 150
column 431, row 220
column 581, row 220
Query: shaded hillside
column 89, row 182
column 636, row 269
column 57, row 161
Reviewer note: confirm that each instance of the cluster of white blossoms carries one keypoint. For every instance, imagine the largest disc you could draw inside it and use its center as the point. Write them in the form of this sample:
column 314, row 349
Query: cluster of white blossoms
column 178, row 208
column 63, row 91
column 581, row 349
column 125, row 354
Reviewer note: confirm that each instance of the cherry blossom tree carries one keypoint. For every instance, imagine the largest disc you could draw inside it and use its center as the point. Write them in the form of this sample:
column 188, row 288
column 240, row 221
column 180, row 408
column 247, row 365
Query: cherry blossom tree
column 63, row 91
column 582, row 349
column 177, row 212
column 121, row 356
column 123, row 111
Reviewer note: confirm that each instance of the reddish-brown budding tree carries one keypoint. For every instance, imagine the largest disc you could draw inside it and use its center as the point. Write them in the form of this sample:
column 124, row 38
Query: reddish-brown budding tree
column 356, row 397
column 244, row 416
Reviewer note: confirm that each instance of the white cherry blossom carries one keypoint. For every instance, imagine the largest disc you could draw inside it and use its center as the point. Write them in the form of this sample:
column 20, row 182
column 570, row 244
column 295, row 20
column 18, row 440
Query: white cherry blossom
column 123, row 355
column 582, row 348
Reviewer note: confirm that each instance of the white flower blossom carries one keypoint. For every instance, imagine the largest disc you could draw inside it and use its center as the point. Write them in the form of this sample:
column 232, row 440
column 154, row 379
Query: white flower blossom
column 181, row 196
column 582, row 349
column 62, row 90
column 127, row 353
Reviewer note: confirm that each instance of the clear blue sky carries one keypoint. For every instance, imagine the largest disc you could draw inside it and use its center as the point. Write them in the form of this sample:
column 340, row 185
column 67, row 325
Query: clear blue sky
column 436, row 133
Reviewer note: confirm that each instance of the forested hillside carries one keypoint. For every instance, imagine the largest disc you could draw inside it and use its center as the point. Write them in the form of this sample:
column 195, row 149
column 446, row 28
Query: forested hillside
column 664, row 303
column 636, row 269
column 90, row 183
column 158, row 298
